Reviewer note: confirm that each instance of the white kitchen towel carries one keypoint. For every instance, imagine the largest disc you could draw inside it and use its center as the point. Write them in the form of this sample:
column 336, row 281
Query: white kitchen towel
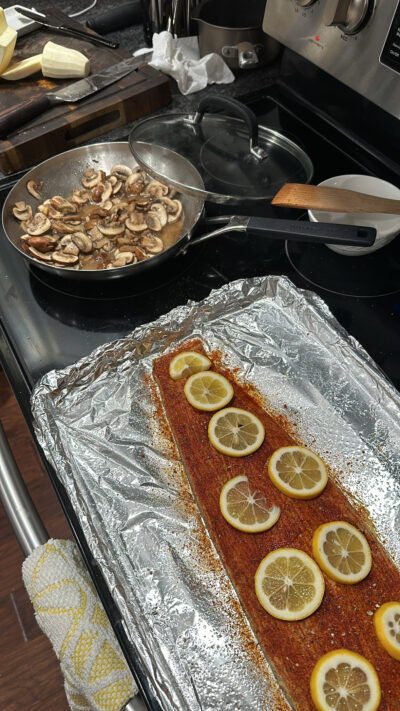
column 180, row 58
column 69, row 611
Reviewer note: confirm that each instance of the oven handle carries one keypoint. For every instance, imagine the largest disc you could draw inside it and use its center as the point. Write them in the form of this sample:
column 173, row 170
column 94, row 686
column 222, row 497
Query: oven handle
column 25, row 520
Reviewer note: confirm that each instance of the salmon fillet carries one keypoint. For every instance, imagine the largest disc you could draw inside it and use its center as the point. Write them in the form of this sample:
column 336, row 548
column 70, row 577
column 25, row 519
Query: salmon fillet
column 345, row 617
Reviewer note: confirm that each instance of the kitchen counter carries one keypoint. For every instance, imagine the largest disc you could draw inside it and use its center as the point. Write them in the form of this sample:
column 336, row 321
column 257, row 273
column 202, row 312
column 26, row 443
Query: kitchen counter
column 132, row 38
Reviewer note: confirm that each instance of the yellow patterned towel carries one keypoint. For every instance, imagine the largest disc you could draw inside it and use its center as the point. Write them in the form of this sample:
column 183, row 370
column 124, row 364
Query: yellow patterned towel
column 68, row 610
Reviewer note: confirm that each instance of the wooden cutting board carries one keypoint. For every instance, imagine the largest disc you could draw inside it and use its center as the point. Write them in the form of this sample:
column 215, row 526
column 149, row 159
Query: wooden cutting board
column 68, row 125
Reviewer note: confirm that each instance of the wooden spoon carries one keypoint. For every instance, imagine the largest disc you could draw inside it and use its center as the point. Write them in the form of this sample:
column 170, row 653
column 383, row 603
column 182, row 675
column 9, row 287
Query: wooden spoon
column 318, row 197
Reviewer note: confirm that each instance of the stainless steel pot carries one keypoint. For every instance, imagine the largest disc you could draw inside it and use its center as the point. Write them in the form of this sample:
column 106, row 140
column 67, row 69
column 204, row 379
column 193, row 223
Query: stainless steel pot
column 63, row 172
column 233, row 29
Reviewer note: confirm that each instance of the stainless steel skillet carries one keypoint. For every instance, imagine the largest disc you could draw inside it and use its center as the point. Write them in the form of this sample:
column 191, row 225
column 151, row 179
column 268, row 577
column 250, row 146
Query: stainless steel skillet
column 63, row 172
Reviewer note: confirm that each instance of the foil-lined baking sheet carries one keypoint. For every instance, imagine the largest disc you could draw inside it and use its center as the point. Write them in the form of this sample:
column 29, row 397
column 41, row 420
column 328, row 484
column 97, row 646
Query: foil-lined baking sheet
column 100, row 427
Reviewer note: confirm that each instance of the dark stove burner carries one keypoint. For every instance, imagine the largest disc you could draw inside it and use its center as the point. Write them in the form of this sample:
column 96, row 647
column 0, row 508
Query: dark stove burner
column 373, row 275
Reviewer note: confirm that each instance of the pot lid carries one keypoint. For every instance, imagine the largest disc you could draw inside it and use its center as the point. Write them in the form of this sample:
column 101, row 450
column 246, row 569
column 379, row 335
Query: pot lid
column 234, row 159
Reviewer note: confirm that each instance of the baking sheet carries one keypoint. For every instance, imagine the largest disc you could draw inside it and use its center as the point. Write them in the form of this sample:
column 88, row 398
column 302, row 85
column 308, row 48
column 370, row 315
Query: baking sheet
column 100, row 428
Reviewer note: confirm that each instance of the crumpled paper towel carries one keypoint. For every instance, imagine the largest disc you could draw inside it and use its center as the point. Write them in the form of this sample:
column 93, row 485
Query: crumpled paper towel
column 69, row 611
column 180, row 58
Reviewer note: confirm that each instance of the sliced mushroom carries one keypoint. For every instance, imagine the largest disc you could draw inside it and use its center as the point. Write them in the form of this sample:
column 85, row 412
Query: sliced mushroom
column 107, row 205
column 82, row 241
column 102, row 243
column 41, row 242
column 81, row 197
column 140, row 254
column 92, row 177
column 116, row 186
column 33, row 188
column 51, row 212
column 63, row 228
column 111, row 229
column 156, row 189
column 63, row 205
column 122, row 172
column 68, row 246
column 121, row 259
column 38, row 225
column 173, row 207
column 153, row 221
column 44, row 256
column 135, row 222
column 160, row 211
column 152, row 245
column 135, row 187
column 64, row 259
column 22, row 211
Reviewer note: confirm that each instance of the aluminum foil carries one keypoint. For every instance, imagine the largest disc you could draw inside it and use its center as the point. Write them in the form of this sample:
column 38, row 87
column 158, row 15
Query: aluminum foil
column 96, row 421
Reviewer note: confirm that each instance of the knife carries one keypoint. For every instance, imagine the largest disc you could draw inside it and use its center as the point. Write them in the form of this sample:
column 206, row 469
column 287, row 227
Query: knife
column 58, row 22
column 17, row 116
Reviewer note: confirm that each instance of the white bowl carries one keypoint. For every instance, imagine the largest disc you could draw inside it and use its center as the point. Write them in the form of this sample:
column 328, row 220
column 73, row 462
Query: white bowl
column 387, row 226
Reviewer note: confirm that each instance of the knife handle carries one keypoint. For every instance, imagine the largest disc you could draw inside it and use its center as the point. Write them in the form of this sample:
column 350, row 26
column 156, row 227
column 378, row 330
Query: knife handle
column 18, row 115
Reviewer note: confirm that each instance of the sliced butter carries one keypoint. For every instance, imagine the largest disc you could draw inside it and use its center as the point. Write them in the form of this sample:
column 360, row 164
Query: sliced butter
column 23, row 69
column 8, row 38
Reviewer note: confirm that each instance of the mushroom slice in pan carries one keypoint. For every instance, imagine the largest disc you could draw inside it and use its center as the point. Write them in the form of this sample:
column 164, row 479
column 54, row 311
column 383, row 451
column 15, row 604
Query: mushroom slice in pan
column 121, row 259
column 174, row 209
column 63, row 228
column 122, row 172
column 44, row 256
column 41, row 242
column 140, row 254
column 152, row 245
column 34, row 188
column 81, row 197
column 156, row 189
column 111, row 228
column 159, row 209
column 92, row 177
column 82, row 241
column 64, row 259
column 68, row 246
column 22, row 211
column 136, row 222
column 153, row 221
column 38, row 225
column 63, row 205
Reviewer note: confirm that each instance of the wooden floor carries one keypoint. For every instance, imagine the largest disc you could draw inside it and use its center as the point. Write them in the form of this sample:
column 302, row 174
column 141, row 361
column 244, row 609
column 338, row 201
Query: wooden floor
column 30, row 676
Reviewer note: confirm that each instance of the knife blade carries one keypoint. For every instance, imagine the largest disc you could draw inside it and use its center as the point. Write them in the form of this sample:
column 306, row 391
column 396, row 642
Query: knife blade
column 17, row 116
column 58, row 22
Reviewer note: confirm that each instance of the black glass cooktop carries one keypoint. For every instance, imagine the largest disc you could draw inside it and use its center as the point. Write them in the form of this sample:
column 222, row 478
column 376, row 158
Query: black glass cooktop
column 49, row 322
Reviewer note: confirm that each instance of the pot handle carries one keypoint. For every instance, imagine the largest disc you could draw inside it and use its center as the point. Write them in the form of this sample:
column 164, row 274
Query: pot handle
column 232, row 106
column 319, row 232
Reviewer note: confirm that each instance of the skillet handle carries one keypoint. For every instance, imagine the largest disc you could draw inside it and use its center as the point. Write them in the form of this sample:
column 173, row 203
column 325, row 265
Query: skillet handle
column 326, row 232
column 319, row 232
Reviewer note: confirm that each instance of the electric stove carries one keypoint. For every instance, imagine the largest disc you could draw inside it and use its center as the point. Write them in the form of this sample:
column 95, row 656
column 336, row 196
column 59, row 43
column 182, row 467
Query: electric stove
column 49, row 322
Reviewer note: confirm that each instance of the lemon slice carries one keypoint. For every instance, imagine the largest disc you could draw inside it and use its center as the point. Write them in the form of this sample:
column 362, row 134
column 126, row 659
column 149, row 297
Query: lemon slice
column 289, row 584
column 298, row 472
column 208, row 391
column 187, row 363
column 345, row 680
column 245, row 509
column 235, row 432
column 342, row 551
column 387, row 627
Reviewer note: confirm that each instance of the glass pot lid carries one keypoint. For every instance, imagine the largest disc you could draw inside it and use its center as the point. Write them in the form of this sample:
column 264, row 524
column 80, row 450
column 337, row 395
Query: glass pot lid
column 234, row 159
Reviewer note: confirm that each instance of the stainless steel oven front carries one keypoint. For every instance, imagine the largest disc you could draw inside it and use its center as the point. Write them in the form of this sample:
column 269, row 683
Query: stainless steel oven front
column 356, row 41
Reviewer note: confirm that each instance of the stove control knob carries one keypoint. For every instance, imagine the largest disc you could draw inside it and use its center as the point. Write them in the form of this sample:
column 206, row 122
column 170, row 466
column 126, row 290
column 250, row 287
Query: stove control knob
column 349, row 15
column 305, row 3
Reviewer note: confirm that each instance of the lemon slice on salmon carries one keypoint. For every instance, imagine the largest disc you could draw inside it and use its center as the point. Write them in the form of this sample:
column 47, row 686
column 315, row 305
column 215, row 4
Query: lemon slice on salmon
column 245, row 509
column 298, row 472
column 342, row 552
column 343, row 679
column 208, row 391
column 235, row 432
column 187, row 363
column 289, row 584
column 387, row 627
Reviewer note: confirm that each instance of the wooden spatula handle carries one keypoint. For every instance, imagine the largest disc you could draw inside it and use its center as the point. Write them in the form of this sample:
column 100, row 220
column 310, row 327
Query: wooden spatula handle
column 319, row 197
